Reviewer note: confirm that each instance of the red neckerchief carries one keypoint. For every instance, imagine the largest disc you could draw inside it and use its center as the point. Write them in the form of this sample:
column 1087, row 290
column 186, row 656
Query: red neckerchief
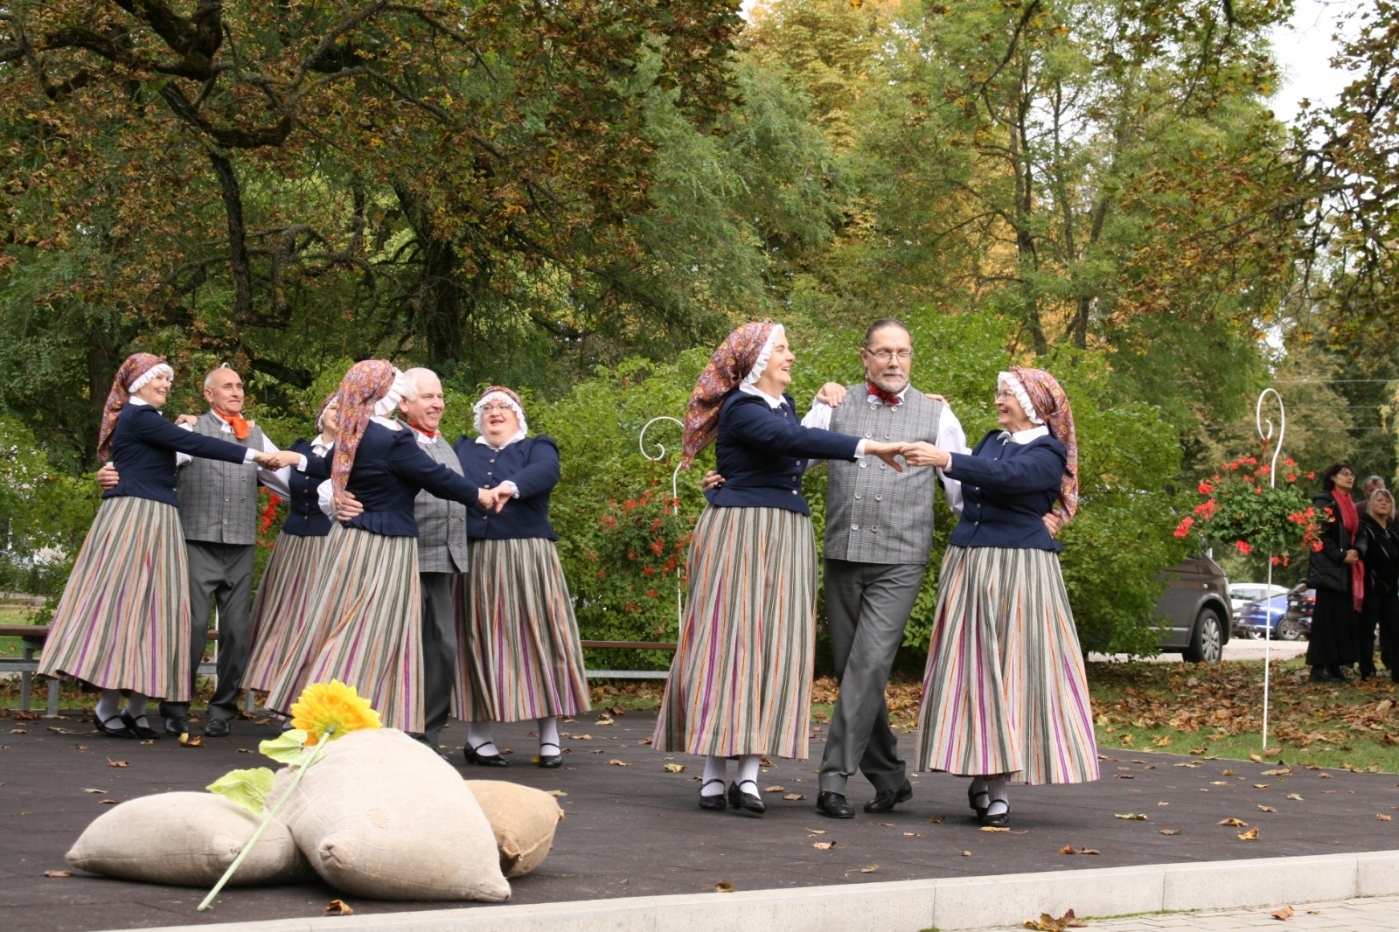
column 429, row 434
column 889, row 398
column 241, row 428
column 1350, row 520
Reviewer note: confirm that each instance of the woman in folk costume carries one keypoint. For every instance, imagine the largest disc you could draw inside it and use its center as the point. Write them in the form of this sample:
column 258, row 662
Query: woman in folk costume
column 1005, row 696
column 123, row 620
column 520, row 655
column 740, row 684
column 366, row 614
column 291, row 579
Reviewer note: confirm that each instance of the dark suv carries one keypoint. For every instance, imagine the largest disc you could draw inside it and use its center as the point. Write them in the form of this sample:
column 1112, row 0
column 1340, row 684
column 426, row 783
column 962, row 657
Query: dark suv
column 1196, row 604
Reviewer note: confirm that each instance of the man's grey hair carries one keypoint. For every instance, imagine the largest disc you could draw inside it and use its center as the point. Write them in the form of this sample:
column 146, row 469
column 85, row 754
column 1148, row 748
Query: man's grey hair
column 1373, row 482
column 410, row 381
column 209, row 376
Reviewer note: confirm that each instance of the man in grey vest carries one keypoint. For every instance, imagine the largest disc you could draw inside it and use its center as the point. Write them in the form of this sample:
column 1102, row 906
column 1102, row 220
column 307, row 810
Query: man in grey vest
column 879, row 529
column 219, row 515
column 441, row 551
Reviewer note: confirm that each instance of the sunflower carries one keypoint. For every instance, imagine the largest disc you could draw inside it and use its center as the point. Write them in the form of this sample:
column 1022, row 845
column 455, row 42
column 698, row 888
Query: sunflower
column 331, row 709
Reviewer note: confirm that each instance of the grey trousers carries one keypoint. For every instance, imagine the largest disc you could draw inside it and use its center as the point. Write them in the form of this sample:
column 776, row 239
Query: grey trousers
column 439, row 650
column 867, row 607
column 222, row 574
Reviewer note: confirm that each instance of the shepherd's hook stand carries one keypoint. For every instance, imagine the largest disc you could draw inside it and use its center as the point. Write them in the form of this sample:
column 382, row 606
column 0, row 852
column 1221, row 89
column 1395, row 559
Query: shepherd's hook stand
column 674, row 496
column 1267, row 435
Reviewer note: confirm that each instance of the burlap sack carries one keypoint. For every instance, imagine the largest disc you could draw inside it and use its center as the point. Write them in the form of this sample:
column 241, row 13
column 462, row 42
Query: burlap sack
column 188, row 840
column 523, row 820
column 381, row 815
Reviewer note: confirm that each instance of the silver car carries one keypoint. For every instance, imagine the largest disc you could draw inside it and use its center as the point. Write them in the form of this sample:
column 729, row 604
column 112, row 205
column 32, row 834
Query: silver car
column 1196, row 606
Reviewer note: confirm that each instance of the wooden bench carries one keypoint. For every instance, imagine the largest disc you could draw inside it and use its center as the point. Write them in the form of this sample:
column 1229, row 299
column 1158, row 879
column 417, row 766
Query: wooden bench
column 35, row 635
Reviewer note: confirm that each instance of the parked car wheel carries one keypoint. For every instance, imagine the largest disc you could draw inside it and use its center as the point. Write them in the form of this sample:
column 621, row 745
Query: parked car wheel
column 1207, row 643
column 1289, row 630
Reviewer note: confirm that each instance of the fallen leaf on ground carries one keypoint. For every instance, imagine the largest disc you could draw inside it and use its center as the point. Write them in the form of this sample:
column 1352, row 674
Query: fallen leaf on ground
column 1263, row 808
column 1170, row 831
column 1219, row 783
column 1130, row 816
column 338, row 908
column 1296, row 796
column 774, row 789
column 1283, row 912
column 556, row 792
column 1125, row 776
column 912, row 835
column 936, row 820
column 646, row 741
column 1250, row 835
column 991, row 829
column 764, row 762
column 1324, row 776
column 1070, row 849
column 724, row 886
column 868, row 869
column 618, row 763
column 109, row 802
column 1261, row 786
column 1226, row 773
column 605, row 720
column 966, row 854
column 187, row 742
column 91, row 790
column 1285, row 772
column 1048, row 923
column 1384, row 818
column 674, row 768
column 793, row 797
column 66, row 731
column 816, row 831
column 581, row 737
column 58, row 873
column 1188, row 764
column 118, row 763
column 1233, row 821
column 1253, row 756
column 19, row 731
column 823, row 845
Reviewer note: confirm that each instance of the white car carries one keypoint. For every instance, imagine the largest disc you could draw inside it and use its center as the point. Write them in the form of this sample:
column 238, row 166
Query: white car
column 1241, row 594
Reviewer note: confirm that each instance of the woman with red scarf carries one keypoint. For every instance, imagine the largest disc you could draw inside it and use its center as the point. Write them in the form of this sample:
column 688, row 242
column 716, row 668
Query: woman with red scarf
column 1337, row 572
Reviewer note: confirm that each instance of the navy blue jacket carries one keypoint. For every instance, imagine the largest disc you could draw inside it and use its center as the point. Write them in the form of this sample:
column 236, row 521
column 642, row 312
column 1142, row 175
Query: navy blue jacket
column 304, row 517
column 533, row 465
column 389, row 471
column 762, row 452
column 143, row 450
column 1007, row 489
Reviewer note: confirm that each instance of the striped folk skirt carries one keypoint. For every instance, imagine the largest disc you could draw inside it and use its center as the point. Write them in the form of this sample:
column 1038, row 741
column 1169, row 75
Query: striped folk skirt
column 123, row 620
column 741, row 679
column 520, row 656
column 1005, row 689
column 367, row 617
column 281, row 613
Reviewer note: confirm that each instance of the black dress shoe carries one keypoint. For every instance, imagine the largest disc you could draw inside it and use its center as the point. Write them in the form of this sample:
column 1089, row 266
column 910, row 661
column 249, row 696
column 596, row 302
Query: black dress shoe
column 176, row 726
column 550, row 761
column 218, row 728
column 133, row 725
column 748, row 802
column 997, row 819
column 974, row 798
column 1323, row 675
column 714, row 800
column 834, row 805
column 886, row 800
column 114, row 727
column 484, row 760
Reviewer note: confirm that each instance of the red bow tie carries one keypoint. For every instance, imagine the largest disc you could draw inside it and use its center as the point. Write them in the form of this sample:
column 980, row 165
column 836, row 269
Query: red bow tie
column 889, row 398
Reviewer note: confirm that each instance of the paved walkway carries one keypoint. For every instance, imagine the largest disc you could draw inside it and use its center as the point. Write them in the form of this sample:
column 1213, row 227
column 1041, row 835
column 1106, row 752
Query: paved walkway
column 633, row 828
column 1371, row 914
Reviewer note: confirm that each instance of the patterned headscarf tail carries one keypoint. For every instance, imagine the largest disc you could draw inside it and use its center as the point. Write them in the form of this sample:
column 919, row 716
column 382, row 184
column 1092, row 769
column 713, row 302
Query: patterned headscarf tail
column 725, row 370
column 128, row 374
column 363, row 385
column 1052, row 405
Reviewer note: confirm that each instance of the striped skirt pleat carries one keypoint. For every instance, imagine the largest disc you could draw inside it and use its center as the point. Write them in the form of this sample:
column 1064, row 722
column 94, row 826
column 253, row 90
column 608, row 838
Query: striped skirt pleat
column 741, row 679
column 519, row 652
column 123, row 620
column 281, row 611
column 1005, row 689
column 367, row 613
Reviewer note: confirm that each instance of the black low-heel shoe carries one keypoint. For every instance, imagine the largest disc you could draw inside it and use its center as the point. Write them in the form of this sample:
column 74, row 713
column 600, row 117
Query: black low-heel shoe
column 119, row 730
column 748, row 802
column 999, row 820
column 715, row 800
column 483, row 760
column 133, row 725
column 972, row 795
column 550, row 761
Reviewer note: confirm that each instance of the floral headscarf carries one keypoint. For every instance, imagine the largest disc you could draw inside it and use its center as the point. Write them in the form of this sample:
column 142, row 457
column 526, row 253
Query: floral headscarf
column 363, row 392
column 735, row 358
column 501, row 395
column 132, row 376
column 1048, row 405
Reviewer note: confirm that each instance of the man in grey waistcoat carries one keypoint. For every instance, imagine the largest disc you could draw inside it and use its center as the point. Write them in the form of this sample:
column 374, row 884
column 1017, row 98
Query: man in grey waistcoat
column 441, row 551
column 879, row 530
column 219, row 515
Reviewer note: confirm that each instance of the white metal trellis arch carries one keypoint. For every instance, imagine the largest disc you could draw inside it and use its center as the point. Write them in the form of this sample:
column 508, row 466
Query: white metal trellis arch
column 674, row 494
column 1266, row 433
